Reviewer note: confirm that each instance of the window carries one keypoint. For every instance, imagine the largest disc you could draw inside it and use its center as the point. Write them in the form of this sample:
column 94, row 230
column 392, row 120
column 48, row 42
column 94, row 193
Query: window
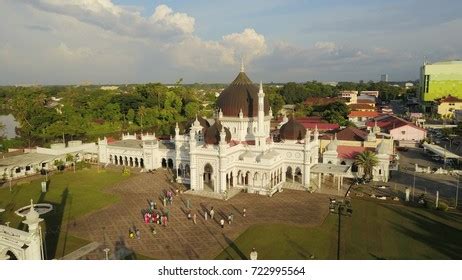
column 403, row 132
column 427, row 83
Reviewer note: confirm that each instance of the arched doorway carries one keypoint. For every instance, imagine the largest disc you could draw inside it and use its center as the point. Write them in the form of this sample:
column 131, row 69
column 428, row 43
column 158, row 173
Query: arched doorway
column 141, row 163
column 11, row 255
column 208, row 179
column 289, row 175
column 298, row 175
column 187, row 171
column 180, row 170
column 170, row 163
column 164, row 163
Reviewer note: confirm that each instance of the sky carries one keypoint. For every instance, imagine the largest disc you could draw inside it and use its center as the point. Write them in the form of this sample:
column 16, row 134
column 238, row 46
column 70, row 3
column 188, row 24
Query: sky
column 140, row 41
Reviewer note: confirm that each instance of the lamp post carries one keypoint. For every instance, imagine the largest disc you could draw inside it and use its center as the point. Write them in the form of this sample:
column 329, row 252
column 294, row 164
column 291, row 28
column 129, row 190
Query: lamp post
column 457, row 191
column 341, row 207
column 106, row 252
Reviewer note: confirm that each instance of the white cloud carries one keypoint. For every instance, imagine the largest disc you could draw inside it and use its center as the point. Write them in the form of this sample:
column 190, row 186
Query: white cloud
column 248, row 43
column 119, row 19
column 328, row 46
column 165, row 16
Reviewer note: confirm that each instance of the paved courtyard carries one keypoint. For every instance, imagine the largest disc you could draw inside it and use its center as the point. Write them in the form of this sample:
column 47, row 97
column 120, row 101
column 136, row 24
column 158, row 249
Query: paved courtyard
column 181, row 238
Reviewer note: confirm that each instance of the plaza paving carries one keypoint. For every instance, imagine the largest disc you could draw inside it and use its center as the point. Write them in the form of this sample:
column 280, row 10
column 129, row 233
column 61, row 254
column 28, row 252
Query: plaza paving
column 181, row 238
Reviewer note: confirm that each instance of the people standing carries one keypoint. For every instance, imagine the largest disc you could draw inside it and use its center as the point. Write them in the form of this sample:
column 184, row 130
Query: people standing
column 212, row 213
column 254, row 255
column 229, row 219
column 138, row 234
column 194, row 218
column 222, row 223
column 205, row 215
column 244, row 212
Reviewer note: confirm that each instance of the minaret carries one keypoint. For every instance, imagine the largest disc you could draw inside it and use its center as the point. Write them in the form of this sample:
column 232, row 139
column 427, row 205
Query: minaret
column 261, row 110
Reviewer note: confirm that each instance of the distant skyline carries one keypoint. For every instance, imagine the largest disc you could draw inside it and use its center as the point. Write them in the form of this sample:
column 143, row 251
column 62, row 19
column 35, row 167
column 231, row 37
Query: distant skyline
column 138, row 41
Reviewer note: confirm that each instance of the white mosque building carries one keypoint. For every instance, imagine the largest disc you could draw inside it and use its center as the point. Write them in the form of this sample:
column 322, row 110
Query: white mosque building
column 236, row 152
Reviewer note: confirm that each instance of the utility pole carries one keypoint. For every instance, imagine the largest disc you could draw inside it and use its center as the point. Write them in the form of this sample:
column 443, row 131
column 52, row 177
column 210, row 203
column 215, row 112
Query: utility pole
column 457, row 191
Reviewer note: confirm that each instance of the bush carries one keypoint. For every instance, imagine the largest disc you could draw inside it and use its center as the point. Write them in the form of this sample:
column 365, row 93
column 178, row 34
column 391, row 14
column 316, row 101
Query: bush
column 443, row 206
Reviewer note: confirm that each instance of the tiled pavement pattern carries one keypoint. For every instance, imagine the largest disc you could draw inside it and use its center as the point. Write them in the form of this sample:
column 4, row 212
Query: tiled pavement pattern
column 181, row 238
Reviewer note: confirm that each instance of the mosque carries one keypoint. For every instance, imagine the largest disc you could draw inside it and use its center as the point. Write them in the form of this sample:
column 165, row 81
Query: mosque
column 236, row 150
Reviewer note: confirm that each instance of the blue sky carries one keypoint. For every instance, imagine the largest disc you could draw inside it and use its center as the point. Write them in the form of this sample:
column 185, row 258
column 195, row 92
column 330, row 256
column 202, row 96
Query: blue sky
column 118, row 41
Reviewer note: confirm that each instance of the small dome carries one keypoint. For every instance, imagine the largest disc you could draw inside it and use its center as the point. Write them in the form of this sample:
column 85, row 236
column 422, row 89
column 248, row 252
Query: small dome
column 203, row 122
column 292, row 130
column 371, row 136
column 381, row 148
column 32, row 215
column 332, row 146
column 212, row 134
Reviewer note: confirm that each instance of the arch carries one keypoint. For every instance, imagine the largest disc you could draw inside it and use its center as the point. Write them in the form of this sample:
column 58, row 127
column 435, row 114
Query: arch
column 116, row 160
column 131, row 162
column 208, row 177
column 170, row 163
column 164, row 163
column 354, row 167
column 111, row 159
column 121, row 161
column 187, row 171
column 289, row 175
column 141, row 162
column 180, row 170
column 343, row 162
column 256, row 178
column 246, row 178
column 12, row 256
column 298, row 175
column 126, row 161
column 137, row 163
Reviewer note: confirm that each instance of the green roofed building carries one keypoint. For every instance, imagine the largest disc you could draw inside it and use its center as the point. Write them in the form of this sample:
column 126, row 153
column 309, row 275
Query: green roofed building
column 441, row 79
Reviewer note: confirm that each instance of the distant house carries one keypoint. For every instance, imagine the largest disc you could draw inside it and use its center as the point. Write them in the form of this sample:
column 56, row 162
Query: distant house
column 374, row 93
column 359, row 118
column 312, row 123
column 362, row 107
column 399, row 129
column 320, row 101
column 447, row 105
column 350, row 96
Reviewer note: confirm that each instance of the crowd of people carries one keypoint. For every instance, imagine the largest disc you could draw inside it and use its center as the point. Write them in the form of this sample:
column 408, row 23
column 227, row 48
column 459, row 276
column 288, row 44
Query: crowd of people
column 155, row 215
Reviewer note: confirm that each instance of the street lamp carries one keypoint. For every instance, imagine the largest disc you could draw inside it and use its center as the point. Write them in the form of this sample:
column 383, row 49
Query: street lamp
column 457, row 191
column 343, row 208
column 106, row 251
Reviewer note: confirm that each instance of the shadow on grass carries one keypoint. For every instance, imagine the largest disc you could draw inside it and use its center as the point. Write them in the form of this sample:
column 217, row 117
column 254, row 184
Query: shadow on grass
column 439, row 236
column 235, row 248
column 54, row 225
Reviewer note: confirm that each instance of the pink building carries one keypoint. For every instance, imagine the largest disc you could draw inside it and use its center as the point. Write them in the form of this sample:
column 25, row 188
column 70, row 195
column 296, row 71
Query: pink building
column 398, row 128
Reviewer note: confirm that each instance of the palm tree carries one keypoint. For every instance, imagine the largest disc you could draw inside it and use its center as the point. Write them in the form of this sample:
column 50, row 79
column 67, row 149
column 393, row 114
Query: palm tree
column 367, row 160
column 142, row 113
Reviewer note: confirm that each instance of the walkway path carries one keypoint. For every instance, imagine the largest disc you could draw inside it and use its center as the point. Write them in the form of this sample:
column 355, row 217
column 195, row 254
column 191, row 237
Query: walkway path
column 182, row 239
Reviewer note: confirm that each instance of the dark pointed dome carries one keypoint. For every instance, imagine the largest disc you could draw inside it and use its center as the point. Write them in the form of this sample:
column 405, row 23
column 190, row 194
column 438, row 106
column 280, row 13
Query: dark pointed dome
column 203, row 122
column 241, row 94
column 212, row 134
column 292, row 130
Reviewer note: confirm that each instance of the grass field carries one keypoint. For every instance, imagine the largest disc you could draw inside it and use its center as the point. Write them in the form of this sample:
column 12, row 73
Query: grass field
column 375, row 231
column 71, row 194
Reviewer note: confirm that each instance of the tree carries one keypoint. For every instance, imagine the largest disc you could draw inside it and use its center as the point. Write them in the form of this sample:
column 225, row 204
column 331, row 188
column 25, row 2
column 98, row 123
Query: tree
column 131, row 115
column 191, row 110
column 367, row 160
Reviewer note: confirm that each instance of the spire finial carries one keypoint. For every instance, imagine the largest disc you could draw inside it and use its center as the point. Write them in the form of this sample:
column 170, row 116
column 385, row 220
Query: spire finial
column 261, row 87
column 242, row 64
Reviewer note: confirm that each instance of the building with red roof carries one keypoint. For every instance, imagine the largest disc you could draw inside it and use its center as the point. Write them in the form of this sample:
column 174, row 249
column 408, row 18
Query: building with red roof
column 398, row 128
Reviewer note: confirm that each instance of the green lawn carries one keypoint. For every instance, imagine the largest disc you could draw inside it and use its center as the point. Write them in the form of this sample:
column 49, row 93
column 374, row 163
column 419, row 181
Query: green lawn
column 72, row 195
column 375, row 231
